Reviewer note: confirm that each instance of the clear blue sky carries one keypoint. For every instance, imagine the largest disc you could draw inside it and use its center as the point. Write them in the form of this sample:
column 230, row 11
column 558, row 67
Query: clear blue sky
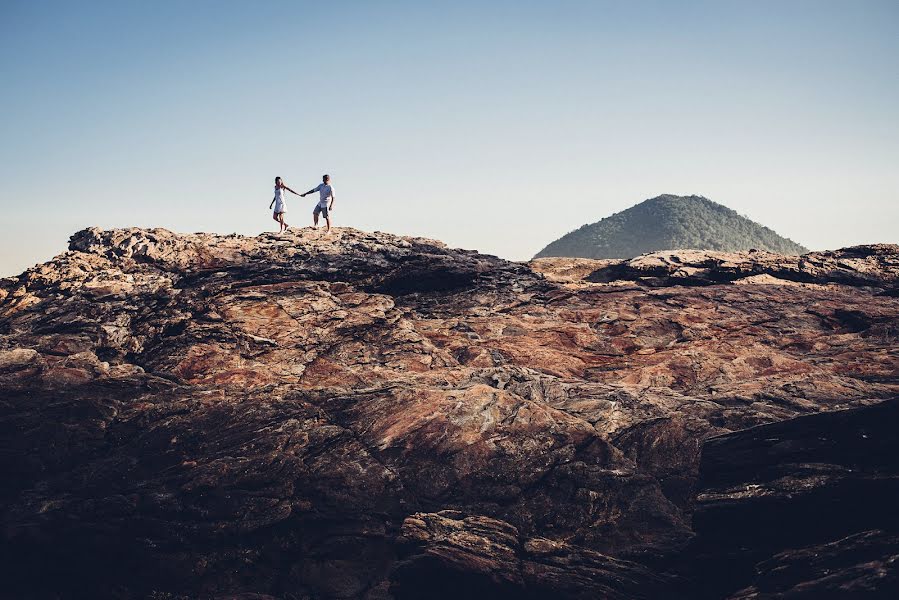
column 497, row 126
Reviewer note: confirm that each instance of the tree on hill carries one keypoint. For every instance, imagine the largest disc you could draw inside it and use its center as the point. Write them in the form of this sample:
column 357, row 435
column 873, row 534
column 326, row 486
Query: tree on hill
column 669, row 222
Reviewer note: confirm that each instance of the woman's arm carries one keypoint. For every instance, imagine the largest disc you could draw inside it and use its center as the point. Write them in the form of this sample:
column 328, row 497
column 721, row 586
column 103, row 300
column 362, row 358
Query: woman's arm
column 290, row 190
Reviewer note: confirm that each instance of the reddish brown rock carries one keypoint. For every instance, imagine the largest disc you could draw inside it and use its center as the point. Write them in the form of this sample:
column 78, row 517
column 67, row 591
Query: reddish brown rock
column 206, row 415
column 874, row 265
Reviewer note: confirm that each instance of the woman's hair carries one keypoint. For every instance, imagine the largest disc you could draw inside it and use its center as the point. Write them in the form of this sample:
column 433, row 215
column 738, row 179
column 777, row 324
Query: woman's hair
column 277, row 180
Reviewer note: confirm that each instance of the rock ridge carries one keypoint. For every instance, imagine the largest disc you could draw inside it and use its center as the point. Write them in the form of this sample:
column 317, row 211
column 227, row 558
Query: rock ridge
column 364, row 415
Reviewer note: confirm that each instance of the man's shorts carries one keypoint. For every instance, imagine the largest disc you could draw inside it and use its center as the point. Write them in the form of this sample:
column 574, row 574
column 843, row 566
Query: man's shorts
column 320, row 209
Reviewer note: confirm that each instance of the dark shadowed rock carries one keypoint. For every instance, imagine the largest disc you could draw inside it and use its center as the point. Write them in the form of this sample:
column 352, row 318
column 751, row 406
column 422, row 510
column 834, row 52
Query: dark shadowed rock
column 448, row 555
column 802, row 508
column 356, row 415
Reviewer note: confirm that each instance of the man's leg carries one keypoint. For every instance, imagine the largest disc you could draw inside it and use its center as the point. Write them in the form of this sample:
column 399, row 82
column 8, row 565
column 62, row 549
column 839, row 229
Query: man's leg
column 328, row 221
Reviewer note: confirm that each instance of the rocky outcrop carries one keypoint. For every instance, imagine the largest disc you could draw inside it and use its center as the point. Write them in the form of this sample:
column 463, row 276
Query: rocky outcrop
column 448, row 555
column 360, row 414
column 875, row 265
column 805, row 508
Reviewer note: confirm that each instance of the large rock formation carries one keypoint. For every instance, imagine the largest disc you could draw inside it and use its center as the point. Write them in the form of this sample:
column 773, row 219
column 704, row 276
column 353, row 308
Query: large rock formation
column 804, row 508
column 368, row 416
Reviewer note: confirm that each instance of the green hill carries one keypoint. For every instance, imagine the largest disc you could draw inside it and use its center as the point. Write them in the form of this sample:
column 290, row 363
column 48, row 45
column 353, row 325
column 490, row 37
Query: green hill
column 669, row 222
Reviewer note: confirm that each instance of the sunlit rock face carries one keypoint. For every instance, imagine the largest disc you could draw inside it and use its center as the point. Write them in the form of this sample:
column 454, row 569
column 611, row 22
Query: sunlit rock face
column 362, row 415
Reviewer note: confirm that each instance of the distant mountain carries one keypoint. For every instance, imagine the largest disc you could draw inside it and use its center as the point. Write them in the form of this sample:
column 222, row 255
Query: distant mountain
column 669, row 222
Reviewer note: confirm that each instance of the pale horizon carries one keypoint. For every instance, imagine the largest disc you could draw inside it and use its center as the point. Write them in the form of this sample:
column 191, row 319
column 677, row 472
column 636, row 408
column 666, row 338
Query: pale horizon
column 494, row 126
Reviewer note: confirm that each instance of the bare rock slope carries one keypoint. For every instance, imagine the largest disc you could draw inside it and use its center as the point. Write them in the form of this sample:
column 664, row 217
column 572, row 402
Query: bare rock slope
column 363, row 415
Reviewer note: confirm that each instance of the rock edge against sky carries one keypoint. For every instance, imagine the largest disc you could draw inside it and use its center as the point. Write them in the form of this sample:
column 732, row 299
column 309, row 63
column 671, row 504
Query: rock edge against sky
column 363, row 415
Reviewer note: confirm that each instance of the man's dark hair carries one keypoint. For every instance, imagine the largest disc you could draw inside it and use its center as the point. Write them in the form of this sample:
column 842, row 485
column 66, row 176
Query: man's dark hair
column 325, row 176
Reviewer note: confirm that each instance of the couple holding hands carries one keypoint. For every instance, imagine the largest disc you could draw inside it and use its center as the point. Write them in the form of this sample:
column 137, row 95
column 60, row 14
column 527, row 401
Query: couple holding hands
column 325, row 203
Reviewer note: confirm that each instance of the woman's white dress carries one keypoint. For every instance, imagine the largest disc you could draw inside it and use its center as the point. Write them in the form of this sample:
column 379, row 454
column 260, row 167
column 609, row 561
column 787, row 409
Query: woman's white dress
column 279, row 200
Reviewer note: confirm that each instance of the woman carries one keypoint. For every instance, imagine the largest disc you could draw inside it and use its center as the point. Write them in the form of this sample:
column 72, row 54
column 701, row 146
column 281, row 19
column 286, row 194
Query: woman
column 278, row 202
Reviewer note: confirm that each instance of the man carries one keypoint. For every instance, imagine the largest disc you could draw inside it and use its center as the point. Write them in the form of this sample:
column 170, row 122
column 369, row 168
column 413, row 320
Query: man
column 325, row 201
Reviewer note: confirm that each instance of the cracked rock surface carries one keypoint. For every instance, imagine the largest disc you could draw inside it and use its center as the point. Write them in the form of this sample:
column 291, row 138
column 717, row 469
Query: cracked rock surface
column 362, row 415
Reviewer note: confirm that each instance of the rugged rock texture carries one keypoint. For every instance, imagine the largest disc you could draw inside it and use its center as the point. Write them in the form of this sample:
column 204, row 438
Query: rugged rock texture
column 446, row 555
column 874, row 265
column 365, row 416
column 805, row 508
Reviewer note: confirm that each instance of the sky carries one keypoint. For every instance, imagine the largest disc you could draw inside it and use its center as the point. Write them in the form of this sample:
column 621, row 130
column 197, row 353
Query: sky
column 497, row 126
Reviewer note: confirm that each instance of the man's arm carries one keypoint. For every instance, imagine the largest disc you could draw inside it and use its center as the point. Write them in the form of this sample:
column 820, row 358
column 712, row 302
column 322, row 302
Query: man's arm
column 331, row 206
column 315, row 189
